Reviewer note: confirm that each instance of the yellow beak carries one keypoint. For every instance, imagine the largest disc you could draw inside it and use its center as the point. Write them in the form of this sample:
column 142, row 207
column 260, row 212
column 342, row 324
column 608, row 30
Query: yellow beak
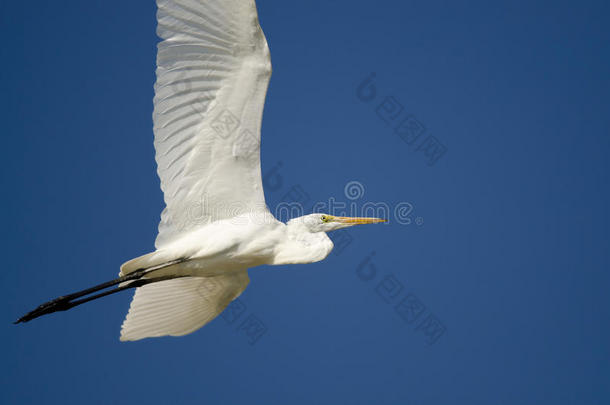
column 358, row 220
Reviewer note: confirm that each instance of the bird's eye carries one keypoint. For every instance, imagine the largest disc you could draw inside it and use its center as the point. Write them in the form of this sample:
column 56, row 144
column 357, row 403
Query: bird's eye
column 324, row 219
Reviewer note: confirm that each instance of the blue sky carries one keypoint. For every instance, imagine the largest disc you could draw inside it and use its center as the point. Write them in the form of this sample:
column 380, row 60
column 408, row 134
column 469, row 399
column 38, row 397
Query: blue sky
column 495, row 292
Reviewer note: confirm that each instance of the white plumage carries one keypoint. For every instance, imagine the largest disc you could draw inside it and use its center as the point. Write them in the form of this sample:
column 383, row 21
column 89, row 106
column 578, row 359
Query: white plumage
column 213, row 67
column 180, row 306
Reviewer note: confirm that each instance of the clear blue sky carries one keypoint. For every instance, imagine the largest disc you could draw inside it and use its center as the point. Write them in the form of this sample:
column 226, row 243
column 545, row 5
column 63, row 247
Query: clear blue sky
column 495, row 293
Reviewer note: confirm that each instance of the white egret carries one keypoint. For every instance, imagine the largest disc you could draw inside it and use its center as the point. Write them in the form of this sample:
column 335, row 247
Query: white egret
column 213, row 67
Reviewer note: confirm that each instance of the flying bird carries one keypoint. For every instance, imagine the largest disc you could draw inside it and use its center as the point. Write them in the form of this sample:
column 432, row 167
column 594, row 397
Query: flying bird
column 213, row 68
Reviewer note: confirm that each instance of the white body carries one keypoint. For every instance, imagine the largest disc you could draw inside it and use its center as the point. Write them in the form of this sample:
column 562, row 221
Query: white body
column 213, row 271
column 238, row 243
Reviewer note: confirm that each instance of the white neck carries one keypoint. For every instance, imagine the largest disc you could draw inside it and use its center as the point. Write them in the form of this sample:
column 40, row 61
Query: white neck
column 302, row 246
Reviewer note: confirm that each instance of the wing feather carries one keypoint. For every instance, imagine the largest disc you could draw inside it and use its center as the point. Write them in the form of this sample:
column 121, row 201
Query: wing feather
column 213, row 68
column 180, row 306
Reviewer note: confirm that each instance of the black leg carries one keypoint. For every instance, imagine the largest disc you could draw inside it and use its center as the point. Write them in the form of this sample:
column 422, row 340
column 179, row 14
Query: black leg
column 66, row 302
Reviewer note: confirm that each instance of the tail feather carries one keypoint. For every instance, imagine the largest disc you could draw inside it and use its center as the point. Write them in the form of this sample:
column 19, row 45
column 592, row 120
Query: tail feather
column 180, row 306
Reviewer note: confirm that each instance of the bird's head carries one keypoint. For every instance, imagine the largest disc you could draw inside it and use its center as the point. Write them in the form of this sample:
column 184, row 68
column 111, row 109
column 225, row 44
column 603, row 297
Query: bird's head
column 327, row 223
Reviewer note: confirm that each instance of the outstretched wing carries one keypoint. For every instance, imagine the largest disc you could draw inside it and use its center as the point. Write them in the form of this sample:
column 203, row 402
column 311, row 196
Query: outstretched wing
column 213, row 67
column 180, row 306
